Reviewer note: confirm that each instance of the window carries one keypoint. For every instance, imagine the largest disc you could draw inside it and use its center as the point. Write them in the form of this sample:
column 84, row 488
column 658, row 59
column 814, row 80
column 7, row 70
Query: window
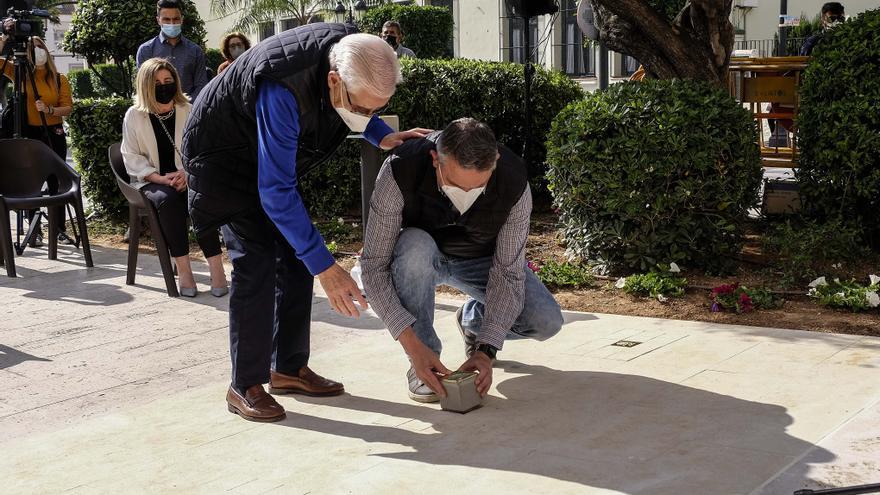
column 628, row 65
column 58, row 36
column 513, row 39
column 577, row 60
column 267, row 29
column 289, row 24
column 73, row 67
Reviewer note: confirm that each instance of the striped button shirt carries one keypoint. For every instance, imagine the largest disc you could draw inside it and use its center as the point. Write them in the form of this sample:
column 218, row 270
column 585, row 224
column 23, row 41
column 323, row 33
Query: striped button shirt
column 505, row 290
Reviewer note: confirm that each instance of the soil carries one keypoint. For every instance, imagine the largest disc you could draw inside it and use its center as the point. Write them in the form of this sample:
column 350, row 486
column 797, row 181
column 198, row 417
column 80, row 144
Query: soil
column 798, row 312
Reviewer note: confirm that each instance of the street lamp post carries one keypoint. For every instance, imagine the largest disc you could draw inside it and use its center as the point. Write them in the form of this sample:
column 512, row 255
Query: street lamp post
column 355, row 10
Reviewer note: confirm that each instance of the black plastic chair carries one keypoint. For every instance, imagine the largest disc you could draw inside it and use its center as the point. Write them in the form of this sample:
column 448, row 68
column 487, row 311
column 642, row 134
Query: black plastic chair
column 139, row 204
column 28, row 165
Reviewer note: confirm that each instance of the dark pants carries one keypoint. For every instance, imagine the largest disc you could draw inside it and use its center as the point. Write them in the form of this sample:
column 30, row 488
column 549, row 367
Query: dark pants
column 173, row 215
column 57, row 140
column 270, row 302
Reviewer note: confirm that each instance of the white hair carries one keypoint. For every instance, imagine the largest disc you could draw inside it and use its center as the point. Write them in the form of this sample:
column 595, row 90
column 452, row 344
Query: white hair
column 366, row 63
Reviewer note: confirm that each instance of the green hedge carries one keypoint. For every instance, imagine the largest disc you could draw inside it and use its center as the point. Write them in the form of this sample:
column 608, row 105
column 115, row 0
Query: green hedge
column 839, row 127
column 436, row 92
column 95, row 124
column 81, row 84
column 213, row 59
column 108, row 80
column 426, row 30
column 654, row 172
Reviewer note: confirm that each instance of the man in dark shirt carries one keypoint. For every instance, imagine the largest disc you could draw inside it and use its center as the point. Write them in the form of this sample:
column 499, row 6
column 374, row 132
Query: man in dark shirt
column 187, row 57
column 832, row 16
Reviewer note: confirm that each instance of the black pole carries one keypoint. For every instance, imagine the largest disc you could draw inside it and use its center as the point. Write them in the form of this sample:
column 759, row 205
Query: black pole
column 528, row 93
column 851, row 490
column 783, row 31
column 602, row 67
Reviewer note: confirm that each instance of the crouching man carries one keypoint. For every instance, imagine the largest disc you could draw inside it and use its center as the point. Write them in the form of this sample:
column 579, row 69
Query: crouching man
column 453, row 208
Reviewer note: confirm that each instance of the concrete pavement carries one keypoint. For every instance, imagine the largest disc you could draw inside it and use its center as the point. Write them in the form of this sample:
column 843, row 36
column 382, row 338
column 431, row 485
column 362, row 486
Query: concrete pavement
column 107, row 388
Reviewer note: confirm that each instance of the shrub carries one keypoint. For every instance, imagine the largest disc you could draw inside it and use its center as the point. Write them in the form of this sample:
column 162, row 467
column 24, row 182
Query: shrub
column 81, row 84
column 436, row 92
column 95, row 124
column 656, row 171
column 213, row 59
column 109, row 80
column 741, row 299
column 563, row 275
column 660, row 284
column 849, row 295
column 839, row 127
column 801, row 250
column 426, row 30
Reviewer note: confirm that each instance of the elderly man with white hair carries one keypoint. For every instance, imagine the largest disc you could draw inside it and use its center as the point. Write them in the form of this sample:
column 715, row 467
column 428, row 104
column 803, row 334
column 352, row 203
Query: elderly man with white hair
column 278, row 112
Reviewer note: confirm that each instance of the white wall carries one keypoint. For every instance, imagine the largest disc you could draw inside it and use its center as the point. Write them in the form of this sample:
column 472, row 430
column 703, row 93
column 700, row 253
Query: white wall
column 762, row 21
column 478, row 29
column 217, row 27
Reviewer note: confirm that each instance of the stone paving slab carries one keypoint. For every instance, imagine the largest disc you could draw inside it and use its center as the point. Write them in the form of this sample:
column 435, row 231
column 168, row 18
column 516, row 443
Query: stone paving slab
column 108, row 388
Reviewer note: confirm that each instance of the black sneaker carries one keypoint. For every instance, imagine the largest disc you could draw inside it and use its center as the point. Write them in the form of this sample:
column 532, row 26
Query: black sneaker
column 470, row 339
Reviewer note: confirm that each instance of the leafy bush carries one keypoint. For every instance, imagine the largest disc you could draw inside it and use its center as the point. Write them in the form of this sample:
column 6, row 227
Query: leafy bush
column 426, row 30
column 213, row 59
column 839, row 127
column 660, row 284
column 741, row 299
column 109, row 80
column 563, row 275
column 801, row 250
column 436, row 92
column 95, row 124
column 654, row 171
column 849, row 295
column 81, row 84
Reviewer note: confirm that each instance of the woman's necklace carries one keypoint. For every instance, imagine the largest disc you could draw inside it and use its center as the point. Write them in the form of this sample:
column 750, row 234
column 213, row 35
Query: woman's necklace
column 165, row 116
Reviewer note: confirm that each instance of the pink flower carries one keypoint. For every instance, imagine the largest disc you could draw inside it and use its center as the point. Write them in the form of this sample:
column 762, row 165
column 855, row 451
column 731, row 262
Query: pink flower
column 534, row 266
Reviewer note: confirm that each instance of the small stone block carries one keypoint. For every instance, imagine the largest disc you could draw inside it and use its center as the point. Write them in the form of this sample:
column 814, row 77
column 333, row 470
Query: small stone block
column 461, row 392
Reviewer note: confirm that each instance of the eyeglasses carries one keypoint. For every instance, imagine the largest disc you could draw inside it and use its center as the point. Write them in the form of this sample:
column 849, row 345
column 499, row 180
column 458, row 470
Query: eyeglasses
column 363, row 112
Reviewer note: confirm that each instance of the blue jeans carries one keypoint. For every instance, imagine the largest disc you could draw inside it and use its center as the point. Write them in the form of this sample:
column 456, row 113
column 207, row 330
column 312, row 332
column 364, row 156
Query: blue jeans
column 418, row 267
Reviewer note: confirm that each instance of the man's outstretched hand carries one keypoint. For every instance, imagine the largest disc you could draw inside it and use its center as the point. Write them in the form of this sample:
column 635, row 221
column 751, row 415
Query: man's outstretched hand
column 482, row 364
column 342, row 291
column 424, row 361
column 395, row 139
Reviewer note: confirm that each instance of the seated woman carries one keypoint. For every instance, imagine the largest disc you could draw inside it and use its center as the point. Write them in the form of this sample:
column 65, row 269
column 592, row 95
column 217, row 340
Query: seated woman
column 151, row 135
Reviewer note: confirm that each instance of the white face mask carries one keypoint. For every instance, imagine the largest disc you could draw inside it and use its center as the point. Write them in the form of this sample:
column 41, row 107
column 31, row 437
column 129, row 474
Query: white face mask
column 461, row 199
column 236, row 51
column 355, row 121
column 41, row 56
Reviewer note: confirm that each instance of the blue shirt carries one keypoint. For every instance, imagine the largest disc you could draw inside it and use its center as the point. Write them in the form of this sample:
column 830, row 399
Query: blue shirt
column 187, row 57
column 277, row 138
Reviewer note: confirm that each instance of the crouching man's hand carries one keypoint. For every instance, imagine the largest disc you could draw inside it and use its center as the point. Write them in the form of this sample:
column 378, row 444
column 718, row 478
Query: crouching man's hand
column 424, row 361
column 482, row 364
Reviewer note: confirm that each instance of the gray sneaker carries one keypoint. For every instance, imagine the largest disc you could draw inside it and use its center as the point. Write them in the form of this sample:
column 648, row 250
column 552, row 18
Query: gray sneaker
column 470, row 339
column 418, row 391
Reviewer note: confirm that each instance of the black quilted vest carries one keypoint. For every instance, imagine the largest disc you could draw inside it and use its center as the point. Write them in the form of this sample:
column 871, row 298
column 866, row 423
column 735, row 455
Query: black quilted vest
column 473, row 234
column 220, row 140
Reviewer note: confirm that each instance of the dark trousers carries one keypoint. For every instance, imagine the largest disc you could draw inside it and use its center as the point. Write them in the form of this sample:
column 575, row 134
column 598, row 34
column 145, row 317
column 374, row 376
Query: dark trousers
column 270, row 302
column 57, row 140
column 173, row 214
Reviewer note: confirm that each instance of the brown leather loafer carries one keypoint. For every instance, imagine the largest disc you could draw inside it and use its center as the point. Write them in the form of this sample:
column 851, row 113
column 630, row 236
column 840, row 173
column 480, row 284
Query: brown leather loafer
column 307, row 382
column 256, row 405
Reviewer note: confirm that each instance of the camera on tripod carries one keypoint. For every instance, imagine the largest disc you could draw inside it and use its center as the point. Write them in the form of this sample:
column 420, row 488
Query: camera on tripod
column 27, row 21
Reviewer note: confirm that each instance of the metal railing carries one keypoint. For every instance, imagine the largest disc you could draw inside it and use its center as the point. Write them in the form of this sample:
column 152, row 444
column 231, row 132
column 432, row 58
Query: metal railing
column 770, row 47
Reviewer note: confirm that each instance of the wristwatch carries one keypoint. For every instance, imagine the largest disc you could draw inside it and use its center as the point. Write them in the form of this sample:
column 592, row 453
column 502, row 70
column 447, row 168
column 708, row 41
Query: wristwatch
column 486, row 349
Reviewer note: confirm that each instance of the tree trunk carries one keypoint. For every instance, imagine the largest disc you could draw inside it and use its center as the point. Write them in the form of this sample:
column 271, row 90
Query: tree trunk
column 696, row 45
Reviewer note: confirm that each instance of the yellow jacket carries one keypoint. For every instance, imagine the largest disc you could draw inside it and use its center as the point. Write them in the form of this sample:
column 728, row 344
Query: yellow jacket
column 49, row 93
